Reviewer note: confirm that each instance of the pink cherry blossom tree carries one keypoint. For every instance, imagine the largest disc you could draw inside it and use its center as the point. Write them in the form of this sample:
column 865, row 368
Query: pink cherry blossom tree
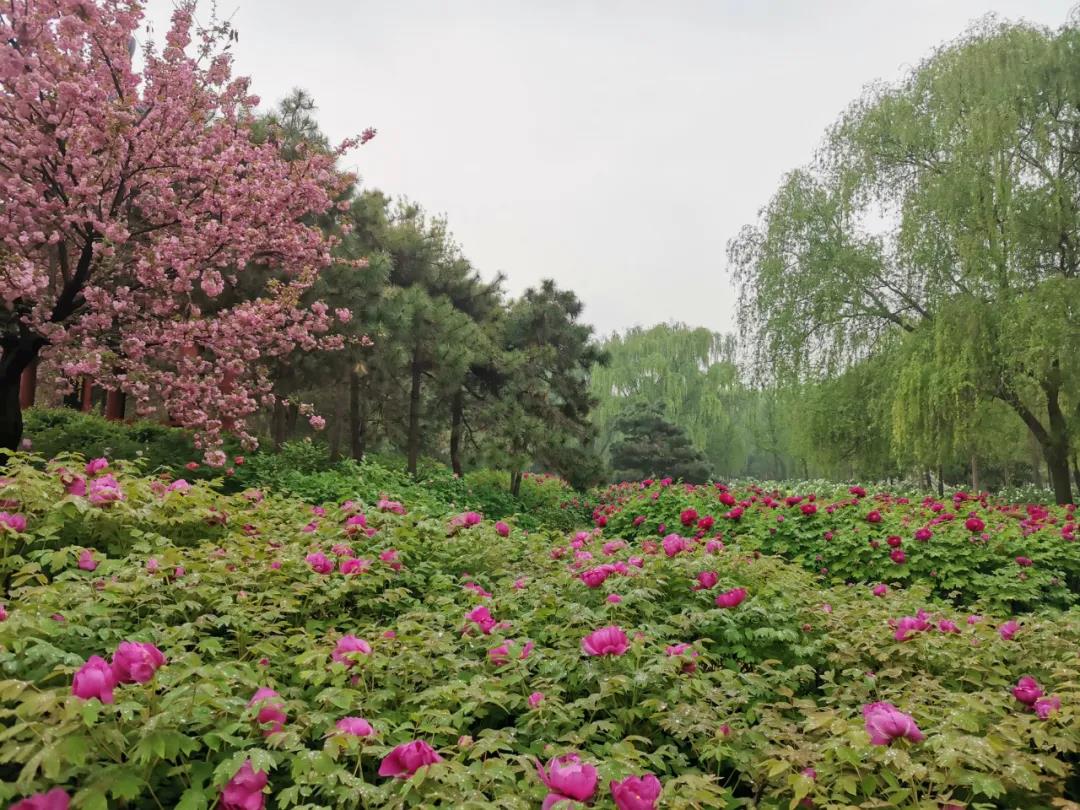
column 134, row 208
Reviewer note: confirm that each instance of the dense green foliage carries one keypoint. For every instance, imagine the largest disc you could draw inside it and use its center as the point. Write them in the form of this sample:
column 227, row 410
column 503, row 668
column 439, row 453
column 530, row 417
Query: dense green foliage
column 766, row 689
column 938, row 234
column 646, row 442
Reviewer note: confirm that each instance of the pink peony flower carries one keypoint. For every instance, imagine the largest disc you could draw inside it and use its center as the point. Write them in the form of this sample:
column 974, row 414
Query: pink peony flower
column 908, row 625
column 923, row 535
column 688, row 516
column 614, row 598
column 55, row 799
column 96, row 465
column 390, row 557
column 15, row 522
column 897, row 555
column 502, row 529
column 136, row 662
column 104, row 491
column 947, row 626
column 1024, row 562
column 320, row 563
column 885, row 723
column 271, row 711
column 568, row 779
column 482, row 618
column 880, row 589
column 683, row 649
column 1044, row 707
column 674, row 544
column 87, row 561
column 354, row 565
column 594, row 577
column 535, row 699
column 1027, row 690
column 706, row 580
column 347, row 650
column 354, row 727
column 732, row 598
column 3, row 613
column 407, row 759
column 873, row 516
column 1009, row 629
column 95, row 679
column 974, row 525
column 245, row 790
column 636, row 792
column 609, row 640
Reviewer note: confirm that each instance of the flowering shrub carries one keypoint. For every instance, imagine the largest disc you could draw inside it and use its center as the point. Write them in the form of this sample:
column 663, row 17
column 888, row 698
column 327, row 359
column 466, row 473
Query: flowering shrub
column 970, row 549
column 467, row 669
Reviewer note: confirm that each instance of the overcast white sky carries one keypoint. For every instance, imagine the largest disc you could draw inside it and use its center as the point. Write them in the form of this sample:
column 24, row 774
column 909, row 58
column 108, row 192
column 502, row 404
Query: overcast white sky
column 613, row 145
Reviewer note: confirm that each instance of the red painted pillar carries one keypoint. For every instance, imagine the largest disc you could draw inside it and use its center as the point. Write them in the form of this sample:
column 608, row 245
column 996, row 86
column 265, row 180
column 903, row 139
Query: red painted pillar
column 28, row 385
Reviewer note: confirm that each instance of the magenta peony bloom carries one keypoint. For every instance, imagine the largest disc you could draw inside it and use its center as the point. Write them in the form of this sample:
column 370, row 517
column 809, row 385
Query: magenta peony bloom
column 355, row 727
column 922, row 535
column 136, row 662
column 614, row 598
column 535, row 699
column 636, row 792
column 3, row 613
column 1027, row 690
column 885, row 723
column 897, row 555
column 55, row 799
column 482, row 618
column 594, row 577
column 87, row 561
column 683, row 649
column 407, row 759
column 880, row 589
column 354, row 565
column 688, row 516
column 347, row 649
column 732, row 598
column 320, row 563
column 908, row 625
column 245, row 790
column 568, row 779
column 1044, row 707
column 674, row 544
column 1009, row 629
column 706, row 580
column 609, row 640
column 271, row 711
column 947, row 626
column 95, row 679
column 1024, row 562
column 104, row 491
column 15, row 522
column 873, row 517
column 502, row 529
column 974, row 525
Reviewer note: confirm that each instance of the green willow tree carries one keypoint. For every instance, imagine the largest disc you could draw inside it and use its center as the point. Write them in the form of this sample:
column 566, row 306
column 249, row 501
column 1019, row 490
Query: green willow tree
column 691, row 374
column 942, row 216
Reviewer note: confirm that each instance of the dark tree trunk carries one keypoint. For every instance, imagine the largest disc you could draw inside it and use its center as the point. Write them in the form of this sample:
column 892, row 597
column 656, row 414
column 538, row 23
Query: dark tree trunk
column 87, row 395
column 15, row 360
column 11, row 424
column 1076, row 471
column 28, row 385
column 357, row 418
column 928, row 481
column 277, row 424
column 457, row 419
column 1057, row 449
column 940, row 482
column 336, row 429
column 115, row 403
column 414, row 414
column 515, row 483
column 975, row 475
